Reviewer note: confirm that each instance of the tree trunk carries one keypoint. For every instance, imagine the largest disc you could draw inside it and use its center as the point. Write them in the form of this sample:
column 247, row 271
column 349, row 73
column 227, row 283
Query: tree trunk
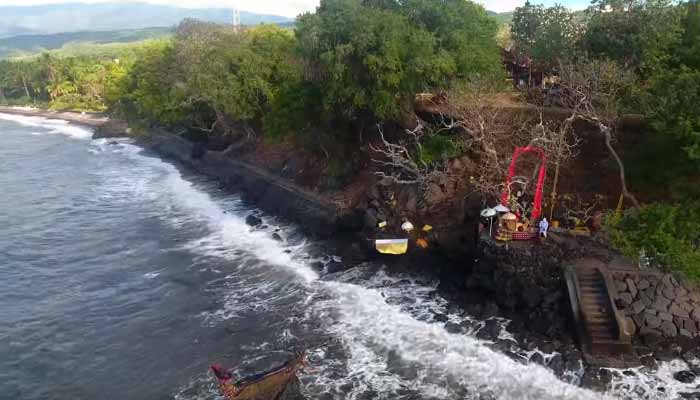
column 623, row 181
column 554, row 191
column 26, row 88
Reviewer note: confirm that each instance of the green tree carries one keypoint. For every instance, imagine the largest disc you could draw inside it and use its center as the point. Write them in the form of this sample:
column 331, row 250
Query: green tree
column 690, row 47
column 371, row 58
column 639, row 34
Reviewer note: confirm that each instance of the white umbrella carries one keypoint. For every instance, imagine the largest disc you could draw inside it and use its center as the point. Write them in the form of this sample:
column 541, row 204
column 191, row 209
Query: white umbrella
column 501, row 208
column 489, row 213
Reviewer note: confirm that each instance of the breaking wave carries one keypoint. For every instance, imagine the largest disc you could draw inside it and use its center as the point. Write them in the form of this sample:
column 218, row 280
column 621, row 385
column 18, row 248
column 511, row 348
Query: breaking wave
column 49, row 126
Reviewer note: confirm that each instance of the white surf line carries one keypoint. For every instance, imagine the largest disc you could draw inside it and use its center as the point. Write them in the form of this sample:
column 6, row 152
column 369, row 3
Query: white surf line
column 364, row 321
column 54, row 126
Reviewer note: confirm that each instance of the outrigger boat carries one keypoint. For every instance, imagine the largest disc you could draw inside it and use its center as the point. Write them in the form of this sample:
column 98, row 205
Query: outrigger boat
column 269, row 385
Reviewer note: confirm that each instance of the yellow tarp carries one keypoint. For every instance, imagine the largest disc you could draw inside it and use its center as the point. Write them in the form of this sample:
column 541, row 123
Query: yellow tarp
column 392, row 246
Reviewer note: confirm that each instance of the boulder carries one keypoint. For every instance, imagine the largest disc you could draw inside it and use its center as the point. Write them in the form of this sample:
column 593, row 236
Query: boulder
column 531, row 296
column 652, row 321
column 678, row 311
column 643, row 284
column 669, row 329
column 277, row 237
column 690, row 325
column 638, row 306
column 598, row 379
column 648, row 361
column 621, row 286
column 669, row 293
column 680, row 291
column 665, row 316
column 685, row 377
column 684, row 333
column 252, row 220
column 695, row 297
column 631, row 287
column 537, row 358
column 661, row 304
column 625, row 299
column 692, row 357
column 696, row 314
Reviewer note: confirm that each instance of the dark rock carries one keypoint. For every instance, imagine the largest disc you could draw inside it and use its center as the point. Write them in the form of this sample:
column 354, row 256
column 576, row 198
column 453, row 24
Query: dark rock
column 490, row 310
column 252, row 220
column 678, row 311
column 371, row 219
column 652, row 321
column 690, row 325
column 537, row 358
column 638, row 306
column 691, row 396
column 661, row 304
column 631, row 287
column 669, row 329
column 696, row 314
column 597, row 379
column 453, row 328
column 685, row 333
column 277, row 237
column 692, row 357
column 621, row 286
column 665, row 316
column 685, row 377
column 317, row 266
column 625, row 299
column 643, row 284
column 334, row 266
column 669, row 293
column 649, row 362
column 440, row 317
column 531, row 296
column 664, row 354
column 556, row 363
column 652, row 340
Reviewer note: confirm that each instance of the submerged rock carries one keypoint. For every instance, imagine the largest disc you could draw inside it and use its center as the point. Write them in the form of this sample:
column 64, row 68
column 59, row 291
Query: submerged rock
column 685, row 376
column 252, row 220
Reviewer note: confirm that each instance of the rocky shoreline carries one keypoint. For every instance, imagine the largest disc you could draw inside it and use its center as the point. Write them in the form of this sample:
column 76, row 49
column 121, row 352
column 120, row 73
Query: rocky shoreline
column 520, row 287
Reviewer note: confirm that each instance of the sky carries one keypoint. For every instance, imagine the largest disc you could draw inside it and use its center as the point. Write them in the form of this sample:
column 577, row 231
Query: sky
column 288, row 8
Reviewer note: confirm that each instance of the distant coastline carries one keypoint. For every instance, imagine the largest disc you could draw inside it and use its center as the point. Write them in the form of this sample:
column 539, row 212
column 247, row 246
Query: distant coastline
column 89, row 119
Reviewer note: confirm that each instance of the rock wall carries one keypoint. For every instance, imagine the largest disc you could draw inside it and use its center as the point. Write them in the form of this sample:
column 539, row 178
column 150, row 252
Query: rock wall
column 658, row 304
column 267, row 191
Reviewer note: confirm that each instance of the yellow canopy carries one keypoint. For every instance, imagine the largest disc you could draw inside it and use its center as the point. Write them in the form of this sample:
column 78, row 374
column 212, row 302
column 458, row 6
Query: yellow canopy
column 392, row 246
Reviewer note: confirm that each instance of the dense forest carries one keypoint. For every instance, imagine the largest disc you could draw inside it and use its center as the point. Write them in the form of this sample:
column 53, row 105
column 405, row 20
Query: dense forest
column 354, row 65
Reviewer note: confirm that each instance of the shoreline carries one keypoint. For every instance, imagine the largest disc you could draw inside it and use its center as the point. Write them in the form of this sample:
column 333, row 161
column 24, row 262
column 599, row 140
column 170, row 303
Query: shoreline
column 458, row 282
column 94, row 120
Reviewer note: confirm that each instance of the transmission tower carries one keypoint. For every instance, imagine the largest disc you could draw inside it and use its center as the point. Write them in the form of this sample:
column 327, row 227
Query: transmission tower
column 236, row 19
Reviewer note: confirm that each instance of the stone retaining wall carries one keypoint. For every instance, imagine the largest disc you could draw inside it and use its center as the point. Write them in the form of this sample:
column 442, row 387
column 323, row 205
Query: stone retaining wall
column 658, row 304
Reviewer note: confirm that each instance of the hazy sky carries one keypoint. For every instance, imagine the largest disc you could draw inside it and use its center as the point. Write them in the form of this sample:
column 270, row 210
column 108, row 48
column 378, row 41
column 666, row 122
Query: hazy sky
column 288, row 8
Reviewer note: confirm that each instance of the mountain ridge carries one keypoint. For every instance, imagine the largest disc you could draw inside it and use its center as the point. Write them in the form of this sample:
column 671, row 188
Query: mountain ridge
column 77, row 17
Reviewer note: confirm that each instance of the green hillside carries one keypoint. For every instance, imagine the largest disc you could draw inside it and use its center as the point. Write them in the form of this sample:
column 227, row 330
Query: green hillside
column 75, row 43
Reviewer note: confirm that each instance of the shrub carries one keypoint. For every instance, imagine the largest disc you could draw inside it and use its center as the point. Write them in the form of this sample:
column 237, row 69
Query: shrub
column 667, row 233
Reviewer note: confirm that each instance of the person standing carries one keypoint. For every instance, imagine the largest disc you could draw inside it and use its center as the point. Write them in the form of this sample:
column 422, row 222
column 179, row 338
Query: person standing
column 544, row 227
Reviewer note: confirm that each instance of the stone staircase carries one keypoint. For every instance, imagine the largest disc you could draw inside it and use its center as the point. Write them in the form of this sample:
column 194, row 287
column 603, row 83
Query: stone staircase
column 604, row 338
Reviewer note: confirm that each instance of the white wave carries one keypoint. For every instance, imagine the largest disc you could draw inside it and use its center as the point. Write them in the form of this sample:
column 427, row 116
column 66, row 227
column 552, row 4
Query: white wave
column 642, row 383
column 52, row 126
column 366, row 323
column 371, row 328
